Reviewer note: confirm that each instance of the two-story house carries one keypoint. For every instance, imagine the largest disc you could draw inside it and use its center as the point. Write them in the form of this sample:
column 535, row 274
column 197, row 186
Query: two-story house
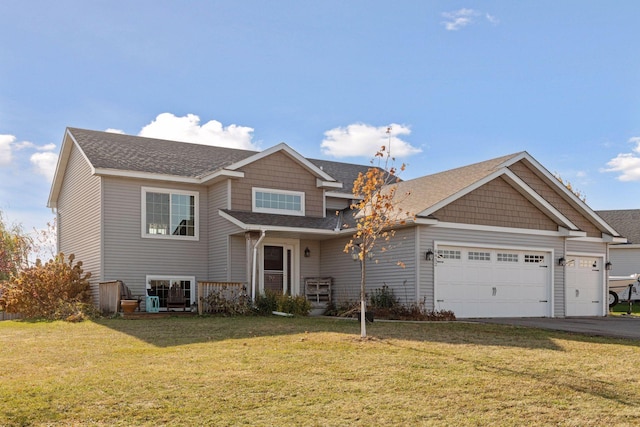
column 498, row 238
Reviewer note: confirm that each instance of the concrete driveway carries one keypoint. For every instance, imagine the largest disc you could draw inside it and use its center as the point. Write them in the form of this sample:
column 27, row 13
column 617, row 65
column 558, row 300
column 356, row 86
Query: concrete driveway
column 613, row 326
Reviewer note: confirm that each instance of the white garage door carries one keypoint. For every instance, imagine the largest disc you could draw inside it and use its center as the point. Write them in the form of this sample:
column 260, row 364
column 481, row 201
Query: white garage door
column 585, row 295
column 481, row 282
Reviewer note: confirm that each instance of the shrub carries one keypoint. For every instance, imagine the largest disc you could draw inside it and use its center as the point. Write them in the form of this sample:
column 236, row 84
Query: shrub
column 298, row 305
column 228, row 301
column 272, row 301
column 384, row 298
column 265, row 303
column 398, row 311
column 57, row 290
column 345, row 308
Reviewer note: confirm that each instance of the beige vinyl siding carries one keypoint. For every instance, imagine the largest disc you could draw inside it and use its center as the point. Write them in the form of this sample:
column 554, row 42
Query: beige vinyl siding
column 382, row 269
column 429, row 235
column 237, row 259
column 336, row 204
column 278, row 172
column 309, row 267
column 339, row 265
column 625, row 260
column 130, row 257
column 79, row 217
column 219, row 231
column 586, row 246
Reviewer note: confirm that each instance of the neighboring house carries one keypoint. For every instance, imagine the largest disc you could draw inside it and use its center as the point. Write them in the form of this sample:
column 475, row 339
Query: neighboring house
column 487, row 239
column 625, row 257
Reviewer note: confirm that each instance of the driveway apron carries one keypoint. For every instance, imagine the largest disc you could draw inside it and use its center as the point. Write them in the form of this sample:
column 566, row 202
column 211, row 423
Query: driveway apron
column 612, row 326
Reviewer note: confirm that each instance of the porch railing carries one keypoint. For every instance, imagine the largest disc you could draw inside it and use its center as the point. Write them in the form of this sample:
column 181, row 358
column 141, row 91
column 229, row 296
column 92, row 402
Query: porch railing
column 207, row 288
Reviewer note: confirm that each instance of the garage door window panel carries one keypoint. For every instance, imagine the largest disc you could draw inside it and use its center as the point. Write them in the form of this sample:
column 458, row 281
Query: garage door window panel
column 506, row 257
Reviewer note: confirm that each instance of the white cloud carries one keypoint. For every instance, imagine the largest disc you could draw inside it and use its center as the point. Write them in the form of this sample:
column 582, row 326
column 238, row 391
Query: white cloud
column 460, row 18
column 110, row 130
column 45, row 163
column 5, row 149
column 47, row 147
column 627, row 164
column 23, row 145
column 492, row 19
column 188, row 129
column 365, row 140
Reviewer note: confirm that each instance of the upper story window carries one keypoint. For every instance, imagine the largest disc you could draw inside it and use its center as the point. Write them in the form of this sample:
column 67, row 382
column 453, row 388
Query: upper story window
column 169, row 214
column 278, row 201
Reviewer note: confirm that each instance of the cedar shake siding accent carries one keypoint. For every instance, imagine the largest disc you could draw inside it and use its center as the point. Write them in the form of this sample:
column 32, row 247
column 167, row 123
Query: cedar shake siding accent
column 532, row 179
column 130, row 257
column 496, row 204
column 278, row 172
column 79, row 217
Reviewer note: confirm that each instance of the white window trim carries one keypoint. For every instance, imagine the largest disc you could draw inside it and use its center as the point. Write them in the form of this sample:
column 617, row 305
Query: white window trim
column 192, row 279
column 301, row 212
column 143, row 219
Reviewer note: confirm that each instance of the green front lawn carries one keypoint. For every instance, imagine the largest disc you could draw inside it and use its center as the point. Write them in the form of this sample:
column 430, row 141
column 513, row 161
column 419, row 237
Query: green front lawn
column 306, row 371
column 623, row 307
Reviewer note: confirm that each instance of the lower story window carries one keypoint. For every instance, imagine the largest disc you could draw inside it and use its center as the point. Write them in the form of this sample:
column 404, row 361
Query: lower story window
column 167, row 288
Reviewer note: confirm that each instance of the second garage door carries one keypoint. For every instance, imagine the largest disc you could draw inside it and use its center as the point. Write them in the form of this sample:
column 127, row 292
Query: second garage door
column 483, row 282
column 585, row 294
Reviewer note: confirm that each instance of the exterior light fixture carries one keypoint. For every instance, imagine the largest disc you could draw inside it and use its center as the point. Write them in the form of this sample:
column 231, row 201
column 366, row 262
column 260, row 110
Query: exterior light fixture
column 307, row 252
column 429, row 255
column 608, row 265
column 562, row 262
column 354, row 254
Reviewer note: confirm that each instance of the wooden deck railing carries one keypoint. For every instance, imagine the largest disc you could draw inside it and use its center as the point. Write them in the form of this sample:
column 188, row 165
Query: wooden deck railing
column 207, row 288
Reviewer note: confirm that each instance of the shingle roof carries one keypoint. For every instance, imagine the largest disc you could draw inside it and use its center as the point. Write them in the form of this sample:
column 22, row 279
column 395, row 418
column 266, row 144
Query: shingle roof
column 272, row 220
column 626, row 222
column 134, row 153
column 106, row 150
column 429, row 190
column 345, row 173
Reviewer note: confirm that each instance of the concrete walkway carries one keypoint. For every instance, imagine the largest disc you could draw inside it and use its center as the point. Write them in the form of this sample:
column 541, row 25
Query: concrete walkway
column 612, row 326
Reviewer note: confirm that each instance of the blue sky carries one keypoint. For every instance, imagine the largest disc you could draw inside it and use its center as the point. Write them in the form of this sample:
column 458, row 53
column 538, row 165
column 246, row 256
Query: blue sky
column 458, row 81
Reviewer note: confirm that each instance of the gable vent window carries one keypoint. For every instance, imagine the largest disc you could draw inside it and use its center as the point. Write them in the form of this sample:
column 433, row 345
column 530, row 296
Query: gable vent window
column 278, row 201
column 169, row 214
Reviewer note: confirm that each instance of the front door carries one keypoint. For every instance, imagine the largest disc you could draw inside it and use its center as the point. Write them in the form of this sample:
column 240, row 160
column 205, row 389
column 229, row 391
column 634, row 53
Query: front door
column 277, row 268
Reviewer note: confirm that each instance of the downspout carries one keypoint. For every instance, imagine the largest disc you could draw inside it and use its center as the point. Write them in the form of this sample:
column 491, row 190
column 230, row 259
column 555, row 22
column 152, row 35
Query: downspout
column 255, row 264
column 564, row 281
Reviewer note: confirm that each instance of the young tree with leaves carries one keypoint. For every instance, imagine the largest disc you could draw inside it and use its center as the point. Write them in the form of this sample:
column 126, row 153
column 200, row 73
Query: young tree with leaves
column 15, row 247
column 377, row 213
